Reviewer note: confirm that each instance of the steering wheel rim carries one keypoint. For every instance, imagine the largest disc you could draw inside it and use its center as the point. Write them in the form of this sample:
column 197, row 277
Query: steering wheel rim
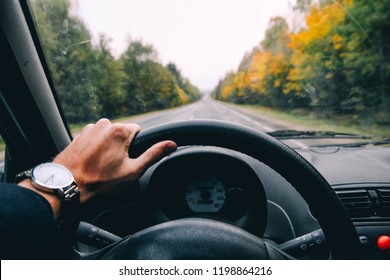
column 324, row 204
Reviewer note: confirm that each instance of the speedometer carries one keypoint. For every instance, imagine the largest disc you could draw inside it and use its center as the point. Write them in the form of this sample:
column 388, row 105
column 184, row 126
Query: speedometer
column 205, row 195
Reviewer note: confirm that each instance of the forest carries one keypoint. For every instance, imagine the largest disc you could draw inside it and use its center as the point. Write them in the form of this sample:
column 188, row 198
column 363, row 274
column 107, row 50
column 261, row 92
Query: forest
column 91, row 83
column 335, row 61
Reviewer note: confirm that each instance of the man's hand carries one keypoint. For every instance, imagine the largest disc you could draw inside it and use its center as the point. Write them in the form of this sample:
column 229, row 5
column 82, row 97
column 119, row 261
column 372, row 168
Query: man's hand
column 99, row 160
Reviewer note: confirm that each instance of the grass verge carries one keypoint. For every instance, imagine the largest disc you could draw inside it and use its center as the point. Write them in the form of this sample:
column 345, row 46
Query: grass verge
column 338, row 123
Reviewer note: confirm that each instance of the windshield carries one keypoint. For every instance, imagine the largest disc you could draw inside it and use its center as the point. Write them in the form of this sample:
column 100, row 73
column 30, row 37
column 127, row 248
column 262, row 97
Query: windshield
column 304, row 65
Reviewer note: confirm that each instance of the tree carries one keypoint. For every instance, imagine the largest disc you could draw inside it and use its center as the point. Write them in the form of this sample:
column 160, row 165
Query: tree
column 339, row 61
column 91, row 83
column 188, row 91
column 276, row 36
column 262, row 74
column 317, row 63
column 69, row 51
column 366, row 56
column 303, row 5
column 107, row 80
column 151, row 86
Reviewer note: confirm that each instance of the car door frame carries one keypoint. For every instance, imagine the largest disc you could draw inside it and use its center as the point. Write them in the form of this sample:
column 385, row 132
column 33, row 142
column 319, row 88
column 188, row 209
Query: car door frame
column 32, row 123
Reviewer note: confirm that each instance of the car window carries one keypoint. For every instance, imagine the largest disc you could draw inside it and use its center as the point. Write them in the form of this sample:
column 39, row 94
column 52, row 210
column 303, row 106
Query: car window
column 272, row 65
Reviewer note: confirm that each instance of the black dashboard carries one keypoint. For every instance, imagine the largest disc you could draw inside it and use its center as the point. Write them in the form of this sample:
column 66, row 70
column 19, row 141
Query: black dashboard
column 210, row 183
column 228, row 186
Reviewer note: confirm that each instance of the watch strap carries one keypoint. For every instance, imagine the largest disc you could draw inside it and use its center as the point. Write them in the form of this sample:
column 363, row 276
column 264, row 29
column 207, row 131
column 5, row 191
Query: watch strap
column 68, row 221
column 67, row 193
column 70, row 214
column 71, row 191
column 23, row 175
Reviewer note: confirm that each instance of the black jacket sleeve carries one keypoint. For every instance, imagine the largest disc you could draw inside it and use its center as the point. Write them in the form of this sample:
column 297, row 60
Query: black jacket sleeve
column 27, row 227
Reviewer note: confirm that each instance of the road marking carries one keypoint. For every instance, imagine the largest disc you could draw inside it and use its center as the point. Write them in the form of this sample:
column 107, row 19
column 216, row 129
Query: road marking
column 262, row 126
column 265, row 128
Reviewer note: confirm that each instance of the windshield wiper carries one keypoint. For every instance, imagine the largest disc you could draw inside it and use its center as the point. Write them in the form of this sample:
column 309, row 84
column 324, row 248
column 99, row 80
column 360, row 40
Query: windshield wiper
column 313, row 134
column 356, row 144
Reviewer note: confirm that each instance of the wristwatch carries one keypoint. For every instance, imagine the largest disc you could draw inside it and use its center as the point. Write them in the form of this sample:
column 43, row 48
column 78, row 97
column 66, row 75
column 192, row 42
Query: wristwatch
column 51, row 178
column 57, row 179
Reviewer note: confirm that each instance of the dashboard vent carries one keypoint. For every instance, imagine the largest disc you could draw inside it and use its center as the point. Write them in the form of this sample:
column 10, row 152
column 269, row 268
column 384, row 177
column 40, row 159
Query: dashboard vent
column 357, row 202
column 368, row 202
column 384, row 202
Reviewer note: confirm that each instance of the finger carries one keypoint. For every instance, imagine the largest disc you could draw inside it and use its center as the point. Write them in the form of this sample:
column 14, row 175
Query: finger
column 125, row 132
column 129, row 130
column 151, row 156
column 135, row 128
column 103, row 122
column 86, row 128
column 92, row 127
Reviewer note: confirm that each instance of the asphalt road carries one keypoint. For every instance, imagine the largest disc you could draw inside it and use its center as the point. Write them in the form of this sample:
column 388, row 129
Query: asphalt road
column 208, row 108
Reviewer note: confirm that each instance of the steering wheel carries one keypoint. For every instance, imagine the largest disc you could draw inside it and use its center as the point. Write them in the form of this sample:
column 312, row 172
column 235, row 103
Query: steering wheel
column 195, row 238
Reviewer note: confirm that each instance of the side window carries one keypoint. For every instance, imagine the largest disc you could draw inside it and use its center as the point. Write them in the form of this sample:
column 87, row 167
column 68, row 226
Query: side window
column 2, row 159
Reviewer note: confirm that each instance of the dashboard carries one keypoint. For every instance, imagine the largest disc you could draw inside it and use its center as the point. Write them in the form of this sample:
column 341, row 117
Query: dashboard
column 224, row 185
column 193, row 183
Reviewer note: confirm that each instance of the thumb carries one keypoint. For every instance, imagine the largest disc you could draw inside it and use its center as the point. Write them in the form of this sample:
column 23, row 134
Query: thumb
column 151, row 156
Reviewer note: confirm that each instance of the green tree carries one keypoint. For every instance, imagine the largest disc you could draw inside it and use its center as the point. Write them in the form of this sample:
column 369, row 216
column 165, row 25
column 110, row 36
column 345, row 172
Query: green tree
column 133, row 60
column 69, row 52
column 366, row 56
column 149, row 85
column 192, row 92
column 107, row 78
column 91, row 83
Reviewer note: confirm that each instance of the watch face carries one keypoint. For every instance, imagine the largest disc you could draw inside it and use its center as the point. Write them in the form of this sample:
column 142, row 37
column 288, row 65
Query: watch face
column 52, row 175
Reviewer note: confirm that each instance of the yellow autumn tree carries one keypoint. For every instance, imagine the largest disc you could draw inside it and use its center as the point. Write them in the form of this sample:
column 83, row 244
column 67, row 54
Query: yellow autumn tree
column 316, row 54
column 258, row 71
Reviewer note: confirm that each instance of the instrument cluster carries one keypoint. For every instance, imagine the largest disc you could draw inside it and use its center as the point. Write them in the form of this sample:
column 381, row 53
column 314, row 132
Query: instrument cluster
column 210, row 183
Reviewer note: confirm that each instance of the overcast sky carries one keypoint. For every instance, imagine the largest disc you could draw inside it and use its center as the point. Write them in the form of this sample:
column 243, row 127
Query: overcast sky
column 204, row 38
